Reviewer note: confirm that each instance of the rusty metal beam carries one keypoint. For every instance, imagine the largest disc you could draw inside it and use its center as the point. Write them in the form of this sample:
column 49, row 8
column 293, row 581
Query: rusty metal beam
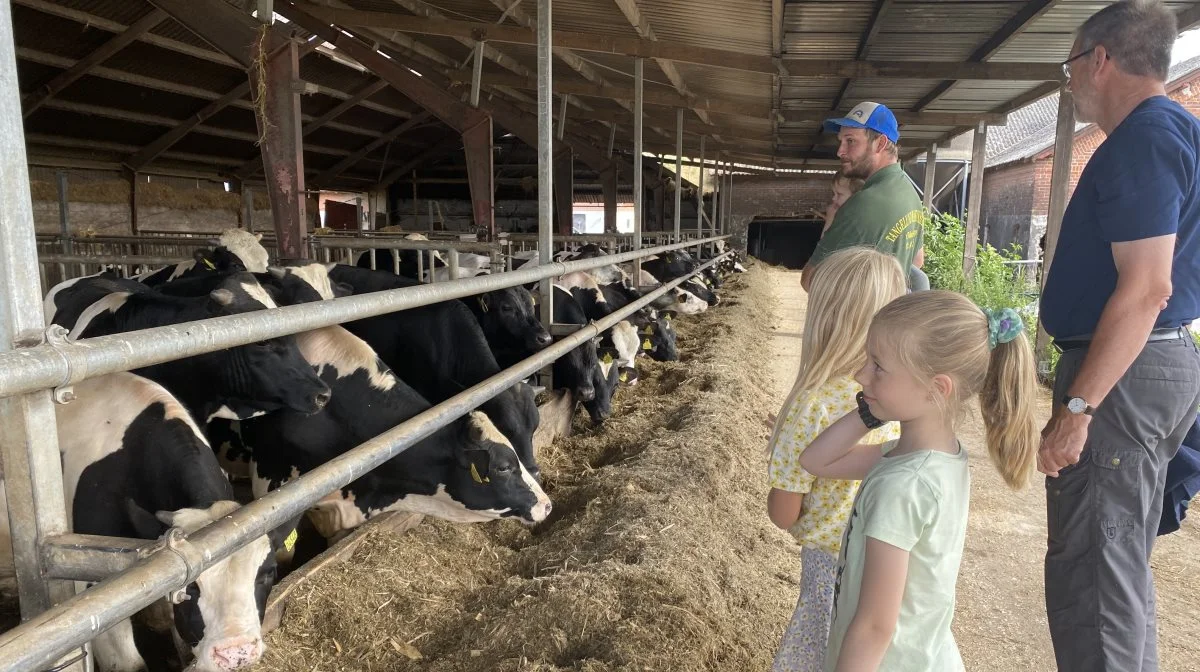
column 62, row 80
column 435, row 150
column 341, row 166
column 283, row 158
column 355, row 98
column 477, row 145
column 232, row 32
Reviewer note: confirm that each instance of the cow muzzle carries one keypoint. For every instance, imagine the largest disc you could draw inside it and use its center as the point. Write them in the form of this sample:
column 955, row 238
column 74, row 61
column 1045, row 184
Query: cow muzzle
column 586, row 393
column 234, row 654
column 543, row 339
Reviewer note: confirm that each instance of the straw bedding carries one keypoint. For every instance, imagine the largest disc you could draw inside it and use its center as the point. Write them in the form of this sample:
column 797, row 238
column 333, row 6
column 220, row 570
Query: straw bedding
column 658, row 555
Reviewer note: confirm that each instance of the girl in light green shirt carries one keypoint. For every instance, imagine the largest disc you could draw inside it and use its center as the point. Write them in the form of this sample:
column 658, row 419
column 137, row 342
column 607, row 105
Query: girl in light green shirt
column 927, row 355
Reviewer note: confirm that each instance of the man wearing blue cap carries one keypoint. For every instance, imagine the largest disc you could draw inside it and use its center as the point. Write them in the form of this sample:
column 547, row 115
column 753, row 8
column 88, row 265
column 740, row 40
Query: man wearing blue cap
column 886, row 214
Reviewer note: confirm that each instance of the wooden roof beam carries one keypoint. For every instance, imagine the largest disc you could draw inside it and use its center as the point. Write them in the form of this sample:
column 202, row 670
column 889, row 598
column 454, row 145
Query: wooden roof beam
column 641, row 25
column 62, row 80
column 341, row 166
column 1031, row 11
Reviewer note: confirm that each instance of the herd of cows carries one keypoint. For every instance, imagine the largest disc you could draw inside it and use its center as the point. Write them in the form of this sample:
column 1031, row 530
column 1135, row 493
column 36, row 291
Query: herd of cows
column 163, row 447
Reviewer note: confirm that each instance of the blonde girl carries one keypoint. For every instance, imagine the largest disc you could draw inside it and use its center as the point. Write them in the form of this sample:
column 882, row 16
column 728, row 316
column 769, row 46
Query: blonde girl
column 928, row 354
column 847, row 289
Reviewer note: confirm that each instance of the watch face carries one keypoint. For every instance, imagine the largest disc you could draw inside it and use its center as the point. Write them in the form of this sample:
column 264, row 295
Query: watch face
column 1076, row 405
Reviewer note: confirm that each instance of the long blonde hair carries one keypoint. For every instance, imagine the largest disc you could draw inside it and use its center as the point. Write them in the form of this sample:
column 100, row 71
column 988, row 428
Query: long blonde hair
column 847, row 289
column 940, row 332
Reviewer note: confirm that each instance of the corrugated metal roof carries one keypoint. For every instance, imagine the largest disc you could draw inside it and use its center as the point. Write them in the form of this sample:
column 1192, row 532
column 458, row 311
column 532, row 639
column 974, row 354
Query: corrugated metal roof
column 922, row 30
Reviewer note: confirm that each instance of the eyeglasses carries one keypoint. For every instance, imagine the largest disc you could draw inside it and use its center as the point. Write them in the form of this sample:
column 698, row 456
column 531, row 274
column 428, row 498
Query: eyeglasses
column 1066, row 65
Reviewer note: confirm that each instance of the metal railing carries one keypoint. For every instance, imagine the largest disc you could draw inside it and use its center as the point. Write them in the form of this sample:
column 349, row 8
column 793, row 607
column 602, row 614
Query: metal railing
column 44, row 638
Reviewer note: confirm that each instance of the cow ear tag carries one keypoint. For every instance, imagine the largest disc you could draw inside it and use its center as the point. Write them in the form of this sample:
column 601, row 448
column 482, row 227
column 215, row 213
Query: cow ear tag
column 483, row 303
column 608, row 358
column 208, row 263
column 475, row 476
column 648, row 331
column 290, row 542
column 646, row 345
column 624, row 377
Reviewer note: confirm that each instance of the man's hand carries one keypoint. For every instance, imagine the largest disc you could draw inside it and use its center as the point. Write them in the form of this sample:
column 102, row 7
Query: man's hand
column 1062, row 441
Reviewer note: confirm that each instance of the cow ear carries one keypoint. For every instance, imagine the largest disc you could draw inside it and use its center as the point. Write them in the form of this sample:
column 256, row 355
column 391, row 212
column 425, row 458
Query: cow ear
column 258, row 236
column 144, row 523
column 221, row 297
column 276, row 272
column 341, row 289
column 479, row 462
column 330, row 266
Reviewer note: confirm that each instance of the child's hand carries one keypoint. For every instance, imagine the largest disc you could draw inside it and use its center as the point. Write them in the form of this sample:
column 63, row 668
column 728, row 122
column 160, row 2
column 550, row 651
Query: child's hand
column 770, row 421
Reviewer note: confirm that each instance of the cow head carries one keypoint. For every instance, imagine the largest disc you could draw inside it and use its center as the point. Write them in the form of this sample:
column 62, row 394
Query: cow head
column 217, row 260
column 658, row 333
column 267, row 375
column 573, row 371
column 246, row 247
column 221, row 614
column 510, row 313
column 303, row 281
column 605, row 378
column 488, row 475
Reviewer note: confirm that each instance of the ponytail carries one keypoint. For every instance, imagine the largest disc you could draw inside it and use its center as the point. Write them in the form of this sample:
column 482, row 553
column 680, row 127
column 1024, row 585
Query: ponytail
column 1006, row 402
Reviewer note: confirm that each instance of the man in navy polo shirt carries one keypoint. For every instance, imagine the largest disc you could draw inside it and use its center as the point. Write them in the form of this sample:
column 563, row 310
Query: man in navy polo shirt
column 1123, row 283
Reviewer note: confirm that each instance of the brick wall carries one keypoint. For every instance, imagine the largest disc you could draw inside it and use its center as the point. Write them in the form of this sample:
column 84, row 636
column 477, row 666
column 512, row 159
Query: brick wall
column 790, row 196
column 1008, row 195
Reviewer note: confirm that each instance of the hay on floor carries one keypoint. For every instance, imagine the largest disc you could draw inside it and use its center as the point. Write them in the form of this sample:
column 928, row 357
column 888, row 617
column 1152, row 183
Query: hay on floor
column 658, row 555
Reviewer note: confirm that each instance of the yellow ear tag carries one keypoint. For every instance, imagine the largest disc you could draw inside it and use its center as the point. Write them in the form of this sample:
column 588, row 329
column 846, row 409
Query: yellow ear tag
column 668, row 316
column 483, row 304
column 624, row 376
column 608, row 358
column 475, row 476
column 646, row 345
column 290, row 542
column 209, row 264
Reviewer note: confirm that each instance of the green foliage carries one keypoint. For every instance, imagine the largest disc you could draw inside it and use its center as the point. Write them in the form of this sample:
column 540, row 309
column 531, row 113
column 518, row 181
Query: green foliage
column 995, row 284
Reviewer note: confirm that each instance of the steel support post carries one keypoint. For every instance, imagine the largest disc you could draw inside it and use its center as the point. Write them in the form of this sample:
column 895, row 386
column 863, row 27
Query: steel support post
column 134, row 227
column 477, row 144
column 564, row 189
column 545, row 149
column 612, row 139
column 678, row 172
column 660, row 207
column 608, row 184
column 33, row 479
column 639, row 67
column 283, row 160
column 930, row 176
column 700, row 194
column 718, row 197
column 562, row 118
column 1060, row 181
column 727, row 223
column 476, row 73
column 975, row 199
column 64, row 213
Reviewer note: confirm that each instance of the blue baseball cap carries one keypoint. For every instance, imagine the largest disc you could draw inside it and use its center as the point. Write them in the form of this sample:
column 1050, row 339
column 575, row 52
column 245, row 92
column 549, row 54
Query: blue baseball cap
column 874, row 116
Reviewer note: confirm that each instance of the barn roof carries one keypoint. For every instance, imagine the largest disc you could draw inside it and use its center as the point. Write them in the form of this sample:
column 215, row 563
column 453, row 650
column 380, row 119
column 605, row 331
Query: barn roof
column 1030, row 130
column 755, row 77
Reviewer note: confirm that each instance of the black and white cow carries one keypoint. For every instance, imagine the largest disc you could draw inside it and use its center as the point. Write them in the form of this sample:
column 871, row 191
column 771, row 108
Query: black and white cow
column 235, row 250
column 440, row 350
column 135, row 464
column 579, row 370
column 235, row 383
column 510, row 323
column 409, row 265
column 466, row 472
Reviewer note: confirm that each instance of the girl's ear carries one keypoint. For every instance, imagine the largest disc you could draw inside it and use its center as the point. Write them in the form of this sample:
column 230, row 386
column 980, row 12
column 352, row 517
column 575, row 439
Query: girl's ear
column 943, row 385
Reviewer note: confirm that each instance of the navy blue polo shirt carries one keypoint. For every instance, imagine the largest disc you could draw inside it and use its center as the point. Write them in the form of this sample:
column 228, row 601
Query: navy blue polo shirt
column 1140, row 183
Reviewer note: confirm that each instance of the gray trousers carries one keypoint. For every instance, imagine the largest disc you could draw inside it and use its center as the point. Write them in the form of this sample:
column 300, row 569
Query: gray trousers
column 1103, row 512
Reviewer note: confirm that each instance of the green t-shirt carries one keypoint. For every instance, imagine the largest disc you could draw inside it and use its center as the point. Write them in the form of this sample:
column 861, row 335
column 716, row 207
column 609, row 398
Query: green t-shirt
column 916, row 502
column 886, row 214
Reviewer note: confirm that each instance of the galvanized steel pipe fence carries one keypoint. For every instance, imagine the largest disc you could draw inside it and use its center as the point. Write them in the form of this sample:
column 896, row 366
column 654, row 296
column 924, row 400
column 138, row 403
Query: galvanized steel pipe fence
column 45, row 637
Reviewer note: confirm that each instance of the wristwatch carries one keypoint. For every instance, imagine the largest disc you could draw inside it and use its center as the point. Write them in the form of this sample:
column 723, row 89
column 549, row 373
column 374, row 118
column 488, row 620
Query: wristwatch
column 864, row 412
column 1078, row 406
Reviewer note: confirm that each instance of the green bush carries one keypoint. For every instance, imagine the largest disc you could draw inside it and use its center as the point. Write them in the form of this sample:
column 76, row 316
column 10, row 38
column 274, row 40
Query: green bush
column 994, row 284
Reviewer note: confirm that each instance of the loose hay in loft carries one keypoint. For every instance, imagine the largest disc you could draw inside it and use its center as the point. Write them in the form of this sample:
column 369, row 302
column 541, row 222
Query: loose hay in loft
column 658, row 555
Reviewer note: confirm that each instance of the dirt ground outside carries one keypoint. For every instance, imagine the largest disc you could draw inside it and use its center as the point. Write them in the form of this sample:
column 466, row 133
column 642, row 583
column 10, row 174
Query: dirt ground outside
column 659, row 555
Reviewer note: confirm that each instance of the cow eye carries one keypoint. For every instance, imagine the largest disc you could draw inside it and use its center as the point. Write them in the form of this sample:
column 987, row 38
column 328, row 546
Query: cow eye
column 507, row 307
column 505, row 469
column 262, row 344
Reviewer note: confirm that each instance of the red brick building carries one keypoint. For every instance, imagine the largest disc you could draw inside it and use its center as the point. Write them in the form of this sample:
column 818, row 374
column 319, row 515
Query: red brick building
column 1020, row 158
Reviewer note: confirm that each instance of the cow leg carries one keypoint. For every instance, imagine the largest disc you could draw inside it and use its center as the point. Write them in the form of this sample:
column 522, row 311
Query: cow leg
column 115, row 650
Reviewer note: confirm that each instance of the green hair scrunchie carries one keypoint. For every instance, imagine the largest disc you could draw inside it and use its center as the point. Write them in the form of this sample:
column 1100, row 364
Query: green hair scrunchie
column 1003, row 326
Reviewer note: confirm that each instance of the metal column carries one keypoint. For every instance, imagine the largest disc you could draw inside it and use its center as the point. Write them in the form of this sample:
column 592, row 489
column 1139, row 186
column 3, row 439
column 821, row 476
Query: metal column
column 608, row 184
column 1060, row 181
column 639, row 67
column 678, row 171
column 28, row 433
column 975, row 199
column 930, row 176
column 700, row 194
column 64, row 213
column 718, row 197
column 282, row 150
column 545, row 150
column 476, row 74
column 477, row 146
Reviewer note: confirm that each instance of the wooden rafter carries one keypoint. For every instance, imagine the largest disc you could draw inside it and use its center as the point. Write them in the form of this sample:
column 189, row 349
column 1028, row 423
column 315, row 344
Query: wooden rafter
column 341, row 166
column 1031, row 11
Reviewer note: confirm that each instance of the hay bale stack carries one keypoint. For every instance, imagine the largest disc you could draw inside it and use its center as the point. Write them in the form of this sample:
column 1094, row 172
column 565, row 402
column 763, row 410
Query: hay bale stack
column 658, row 556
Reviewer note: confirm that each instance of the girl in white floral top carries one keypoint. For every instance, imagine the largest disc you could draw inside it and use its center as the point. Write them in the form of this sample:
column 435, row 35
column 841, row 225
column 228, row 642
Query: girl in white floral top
column 847, row 289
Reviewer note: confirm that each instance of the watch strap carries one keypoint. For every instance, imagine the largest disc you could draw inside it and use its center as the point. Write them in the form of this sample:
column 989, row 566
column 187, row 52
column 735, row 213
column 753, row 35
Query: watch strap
column 864, row 412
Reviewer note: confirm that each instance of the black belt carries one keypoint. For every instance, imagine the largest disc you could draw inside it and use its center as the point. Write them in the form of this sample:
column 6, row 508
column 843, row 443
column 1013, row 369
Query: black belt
column 1170, row 334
